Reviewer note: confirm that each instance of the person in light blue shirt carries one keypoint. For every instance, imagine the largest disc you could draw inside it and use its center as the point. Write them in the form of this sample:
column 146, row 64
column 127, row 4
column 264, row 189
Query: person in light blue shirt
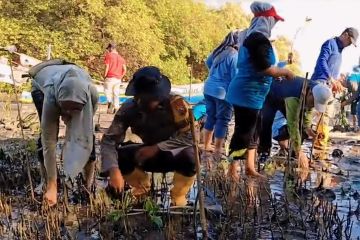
column 352, row 83
column 222, row 68
column 247, row 91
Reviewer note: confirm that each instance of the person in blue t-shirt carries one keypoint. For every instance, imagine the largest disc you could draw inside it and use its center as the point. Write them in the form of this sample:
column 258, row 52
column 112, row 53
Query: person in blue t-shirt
column 247, row 91
column 222, row 68
column 352, row 84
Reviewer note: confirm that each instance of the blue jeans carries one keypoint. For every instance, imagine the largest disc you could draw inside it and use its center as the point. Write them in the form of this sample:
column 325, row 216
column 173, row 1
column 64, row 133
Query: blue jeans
column 219, row 113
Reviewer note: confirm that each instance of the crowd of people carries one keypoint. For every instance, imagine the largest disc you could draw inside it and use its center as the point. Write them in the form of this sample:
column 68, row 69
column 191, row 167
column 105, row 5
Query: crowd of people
column 245, row 81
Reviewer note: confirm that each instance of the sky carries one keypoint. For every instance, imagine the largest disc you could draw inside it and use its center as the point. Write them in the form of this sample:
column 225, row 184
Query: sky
column 329, row 19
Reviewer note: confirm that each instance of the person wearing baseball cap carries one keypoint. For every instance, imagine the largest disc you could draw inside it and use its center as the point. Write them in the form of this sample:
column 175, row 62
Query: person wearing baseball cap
column 251, row 84
column 284, row 96
column 161, row 120
column 327, row 71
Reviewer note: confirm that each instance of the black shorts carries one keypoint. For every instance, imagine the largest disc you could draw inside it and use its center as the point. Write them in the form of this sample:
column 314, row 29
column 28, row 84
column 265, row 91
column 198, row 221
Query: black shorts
column 247, row 129
column 163, row 162
column 353, row 108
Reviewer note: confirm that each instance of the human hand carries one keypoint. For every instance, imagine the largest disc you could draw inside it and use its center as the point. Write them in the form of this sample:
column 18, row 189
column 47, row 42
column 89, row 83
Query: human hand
column 343, row 104
column 146, row 152
column 289, row 75
column 303, row 161
column 116, row 181
column 336, row 86
column 310, row 132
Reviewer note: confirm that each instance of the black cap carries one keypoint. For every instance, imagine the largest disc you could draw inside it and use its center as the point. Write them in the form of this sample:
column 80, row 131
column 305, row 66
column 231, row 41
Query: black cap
column 111, row 45
column 353, row 34
column 149, row 80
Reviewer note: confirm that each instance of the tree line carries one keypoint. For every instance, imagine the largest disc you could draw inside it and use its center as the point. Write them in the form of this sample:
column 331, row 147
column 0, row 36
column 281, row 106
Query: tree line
column 176, row 36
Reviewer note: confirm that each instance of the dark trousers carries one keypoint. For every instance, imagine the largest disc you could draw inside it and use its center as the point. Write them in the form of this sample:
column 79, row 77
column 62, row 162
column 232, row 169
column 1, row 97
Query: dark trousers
column 163, row 162
column 271, row 106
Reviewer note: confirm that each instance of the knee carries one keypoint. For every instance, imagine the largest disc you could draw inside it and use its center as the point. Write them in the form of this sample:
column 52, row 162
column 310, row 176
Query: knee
column 186, row 162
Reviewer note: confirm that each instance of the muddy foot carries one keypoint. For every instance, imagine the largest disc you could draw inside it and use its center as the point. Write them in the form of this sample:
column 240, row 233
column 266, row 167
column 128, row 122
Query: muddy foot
column 51, row 195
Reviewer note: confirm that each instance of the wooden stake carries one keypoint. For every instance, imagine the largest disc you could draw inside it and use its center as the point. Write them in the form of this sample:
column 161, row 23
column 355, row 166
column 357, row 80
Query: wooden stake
column 22, row 131
column 198, row 177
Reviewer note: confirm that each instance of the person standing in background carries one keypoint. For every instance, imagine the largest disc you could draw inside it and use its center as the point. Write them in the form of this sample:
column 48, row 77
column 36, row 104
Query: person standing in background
column 115, row 70
column 222, row 68
column 352, row 83
column 327, row 70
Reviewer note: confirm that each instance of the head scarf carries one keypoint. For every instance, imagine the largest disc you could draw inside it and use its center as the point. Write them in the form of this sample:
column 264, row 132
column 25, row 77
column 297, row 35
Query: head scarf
column 234, row 38
column 260, row 23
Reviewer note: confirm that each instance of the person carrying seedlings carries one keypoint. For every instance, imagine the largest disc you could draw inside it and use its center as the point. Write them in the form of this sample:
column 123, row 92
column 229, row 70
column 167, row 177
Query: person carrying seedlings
column 327, row 71
column 352, row 83
column 222, row 68
column 247, row 91
column 284, row 96
column 162, row 122
column 62, row 89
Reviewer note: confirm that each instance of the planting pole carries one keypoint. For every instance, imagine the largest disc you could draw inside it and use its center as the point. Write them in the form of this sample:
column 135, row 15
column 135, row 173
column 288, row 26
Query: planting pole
column 11, row 50
column 198, row 176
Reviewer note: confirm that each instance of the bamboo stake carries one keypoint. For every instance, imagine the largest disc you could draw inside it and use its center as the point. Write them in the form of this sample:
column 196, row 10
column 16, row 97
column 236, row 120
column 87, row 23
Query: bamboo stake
column 22, row 129
column 198, row 176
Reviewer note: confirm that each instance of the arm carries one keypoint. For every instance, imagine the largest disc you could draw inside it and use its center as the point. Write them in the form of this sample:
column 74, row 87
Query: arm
column 107, row 65
column 124, row 70
column 49, row 132
column 111, row 139
column 182, row 138
column 233, row 66
column 293, row 120
column 277, row 72
column 209, row 61
column 94, row 97
column 323, row 58
column 263, row 58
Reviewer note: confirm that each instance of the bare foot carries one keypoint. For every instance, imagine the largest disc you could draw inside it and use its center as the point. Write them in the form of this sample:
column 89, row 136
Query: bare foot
column 253, row 173
column 51, row 194
column 233, row 171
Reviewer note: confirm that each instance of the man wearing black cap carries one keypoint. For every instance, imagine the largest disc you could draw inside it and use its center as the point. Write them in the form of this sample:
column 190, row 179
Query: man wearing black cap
column 327, row 71
column 115, row 70
column 161, row 120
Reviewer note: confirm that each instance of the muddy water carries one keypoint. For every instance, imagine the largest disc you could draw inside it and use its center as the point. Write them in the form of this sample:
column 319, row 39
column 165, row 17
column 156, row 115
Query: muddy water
column 248, row 210
column 335, row 181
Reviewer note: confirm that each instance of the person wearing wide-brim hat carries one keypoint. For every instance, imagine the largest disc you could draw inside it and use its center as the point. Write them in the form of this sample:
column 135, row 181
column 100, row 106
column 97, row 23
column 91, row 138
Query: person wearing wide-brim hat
column 247, row 91
column 161, row 120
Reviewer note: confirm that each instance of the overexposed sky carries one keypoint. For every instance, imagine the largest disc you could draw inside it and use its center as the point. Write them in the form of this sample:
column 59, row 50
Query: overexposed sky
column 329, row 19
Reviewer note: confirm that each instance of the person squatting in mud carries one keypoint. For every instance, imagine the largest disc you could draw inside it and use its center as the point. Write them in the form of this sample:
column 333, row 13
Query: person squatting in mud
column 247, row 91
column 62, row 89
column 161, row 120
column 284, row 96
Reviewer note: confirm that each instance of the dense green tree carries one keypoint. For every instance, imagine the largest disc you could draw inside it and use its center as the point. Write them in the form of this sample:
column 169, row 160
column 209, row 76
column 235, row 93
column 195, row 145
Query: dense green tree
column 175, row 35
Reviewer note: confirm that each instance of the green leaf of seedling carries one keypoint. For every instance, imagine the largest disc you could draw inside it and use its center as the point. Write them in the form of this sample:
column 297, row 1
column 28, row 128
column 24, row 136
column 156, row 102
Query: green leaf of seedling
column 156, row 220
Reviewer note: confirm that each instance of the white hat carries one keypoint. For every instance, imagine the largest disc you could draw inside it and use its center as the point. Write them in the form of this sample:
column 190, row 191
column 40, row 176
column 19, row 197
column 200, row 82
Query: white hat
column 322, row 96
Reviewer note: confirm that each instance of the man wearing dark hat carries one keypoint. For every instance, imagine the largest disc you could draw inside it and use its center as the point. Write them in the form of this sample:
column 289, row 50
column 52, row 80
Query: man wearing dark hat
column 327, row 71
column 115, row 70
column 161, row 120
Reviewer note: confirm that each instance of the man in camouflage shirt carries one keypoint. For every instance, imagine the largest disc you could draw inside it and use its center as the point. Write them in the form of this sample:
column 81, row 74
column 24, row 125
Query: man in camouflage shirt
column 161, row 120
